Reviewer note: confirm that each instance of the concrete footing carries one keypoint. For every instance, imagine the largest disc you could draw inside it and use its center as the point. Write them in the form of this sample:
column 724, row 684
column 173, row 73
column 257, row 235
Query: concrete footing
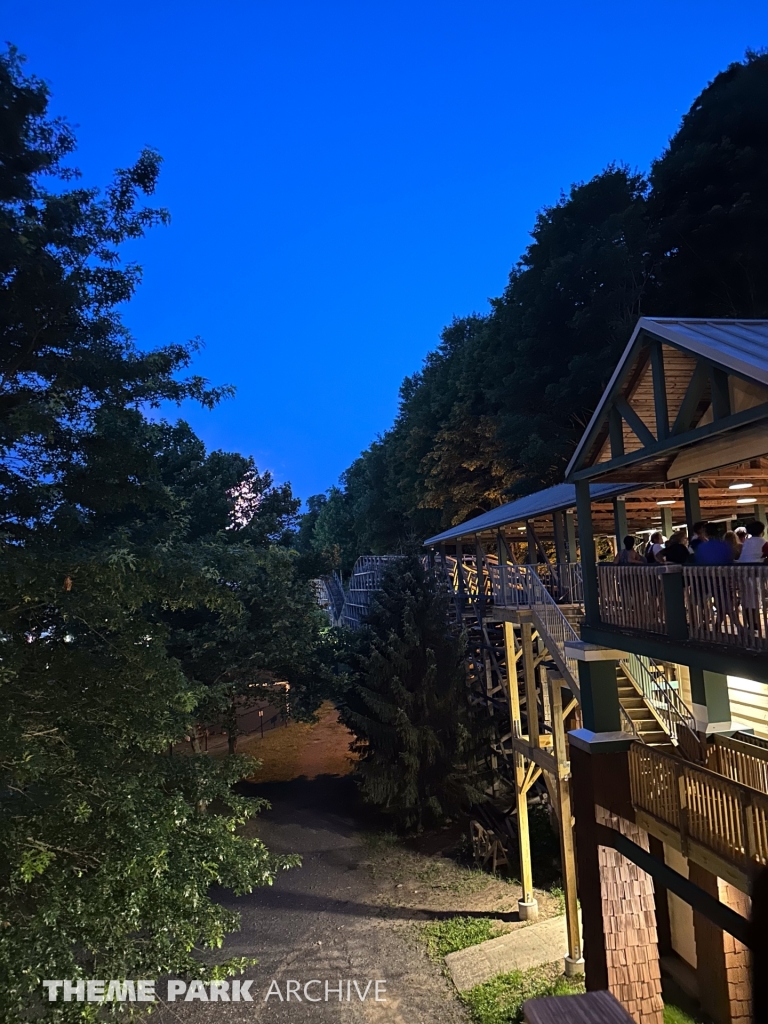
column 528, row 911
column 573, row 967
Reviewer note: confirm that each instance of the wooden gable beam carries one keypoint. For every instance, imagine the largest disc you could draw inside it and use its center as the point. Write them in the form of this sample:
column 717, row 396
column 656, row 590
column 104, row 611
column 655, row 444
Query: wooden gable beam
column 661, row 408
column 693, row 395
column 633, row 421
column 721, row 399
column 755, row 414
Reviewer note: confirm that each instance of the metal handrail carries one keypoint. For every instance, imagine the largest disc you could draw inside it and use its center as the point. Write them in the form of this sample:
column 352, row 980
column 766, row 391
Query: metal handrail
column 553, row 622
column 651, row 680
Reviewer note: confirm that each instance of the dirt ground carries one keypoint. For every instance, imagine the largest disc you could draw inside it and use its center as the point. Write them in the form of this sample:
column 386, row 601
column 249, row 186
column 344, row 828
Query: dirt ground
column 301, row 749
column 354, row 910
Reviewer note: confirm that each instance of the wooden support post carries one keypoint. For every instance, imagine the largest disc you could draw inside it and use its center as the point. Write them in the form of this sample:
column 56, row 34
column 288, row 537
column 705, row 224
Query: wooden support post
column 759, row 512
column 461, row 593
column 531, row 538
column 561, row 555
column 620, row 521
column 528, row 907
column 574, row 962
column 529, row 677
column 570, row 536
column 666, row 521
column 692, row 504
column 588, row 554
column 481, row 573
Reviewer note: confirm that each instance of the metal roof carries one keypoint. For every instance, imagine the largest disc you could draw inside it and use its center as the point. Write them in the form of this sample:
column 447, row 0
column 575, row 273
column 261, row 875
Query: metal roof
column 740, row 346
column 552, row 499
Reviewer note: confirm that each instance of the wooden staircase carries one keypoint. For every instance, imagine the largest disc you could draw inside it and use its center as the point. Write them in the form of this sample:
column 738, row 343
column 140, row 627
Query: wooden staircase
column 648, row 727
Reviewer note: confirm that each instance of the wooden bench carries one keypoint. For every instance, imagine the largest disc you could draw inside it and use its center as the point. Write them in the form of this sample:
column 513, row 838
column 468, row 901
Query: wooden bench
column 589, row 1008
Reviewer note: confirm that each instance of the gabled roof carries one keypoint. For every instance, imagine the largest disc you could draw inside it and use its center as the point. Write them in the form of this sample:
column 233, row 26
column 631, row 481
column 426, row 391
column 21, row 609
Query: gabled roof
column 737, row 345
column 698, row 378
column 552, row 499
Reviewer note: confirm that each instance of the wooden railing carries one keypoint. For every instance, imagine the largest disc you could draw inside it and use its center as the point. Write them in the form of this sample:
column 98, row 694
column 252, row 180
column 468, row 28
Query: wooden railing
column 722, row 604
column 725, row 817
column 631, row 596
column 740, row 761
column 728, row 604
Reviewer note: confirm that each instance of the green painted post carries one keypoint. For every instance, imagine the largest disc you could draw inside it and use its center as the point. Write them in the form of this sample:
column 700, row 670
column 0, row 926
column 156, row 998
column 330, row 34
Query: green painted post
column 666, row 521
column 600, row 706
column 588, row 554
column 710, row 690
column 570, row 536
column 674, row 601
column 620, row 521
column 692, row 503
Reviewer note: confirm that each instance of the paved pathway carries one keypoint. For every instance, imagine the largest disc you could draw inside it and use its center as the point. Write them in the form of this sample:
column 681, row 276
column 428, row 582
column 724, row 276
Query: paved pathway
column 539, row 943
column 321, row 921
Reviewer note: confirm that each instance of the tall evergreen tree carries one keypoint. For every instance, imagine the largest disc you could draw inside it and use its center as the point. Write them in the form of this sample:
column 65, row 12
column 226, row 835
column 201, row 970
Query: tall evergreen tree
column 408, row 705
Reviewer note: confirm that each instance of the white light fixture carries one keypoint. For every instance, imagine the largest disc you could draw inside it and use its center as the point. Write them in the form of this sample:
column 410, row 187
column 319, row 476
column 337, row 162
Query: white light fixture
column 521, row 529
column 745, row 501
column 669, row 501
column 739, row 487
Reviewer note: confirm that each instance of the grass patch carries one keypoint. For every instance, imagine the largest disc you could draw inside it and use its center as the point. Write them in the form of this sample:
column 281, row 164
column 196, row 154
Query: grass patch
column 443, row 937
column 500, row 1000
column 674, row 1015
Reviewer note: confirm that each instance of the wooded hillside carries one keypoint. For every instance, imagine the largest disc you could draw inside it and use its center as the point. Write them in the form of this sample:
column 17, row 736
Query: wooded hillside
column 497, row 408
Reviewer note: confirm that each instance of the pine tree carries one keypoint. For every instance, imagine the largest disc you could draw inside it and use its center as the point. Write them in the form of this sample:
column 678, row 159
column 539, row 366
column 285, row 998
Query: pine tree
column 409, row 706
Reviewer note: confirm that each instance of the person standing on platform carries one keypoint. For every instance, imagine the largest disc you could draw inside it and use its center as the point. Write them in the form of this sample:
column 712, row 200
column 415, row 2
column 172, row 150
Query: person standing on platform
column 653, row 548
column 676, row 551
column 713, row 551
column 699, row 531
column 628, row 555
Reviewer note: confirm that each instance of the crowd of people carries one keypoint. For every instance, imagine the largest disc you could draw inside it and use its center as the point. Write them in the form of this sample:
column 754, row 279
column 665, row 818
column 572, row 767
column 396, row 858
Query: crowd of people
column 745, row 544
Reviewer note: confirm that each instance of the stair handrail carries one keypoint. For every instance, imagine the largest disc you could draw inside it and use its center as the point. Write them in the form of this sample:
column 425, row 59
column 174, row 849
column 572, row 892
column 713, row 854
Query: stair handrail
column 552, row 622
column 671, row 710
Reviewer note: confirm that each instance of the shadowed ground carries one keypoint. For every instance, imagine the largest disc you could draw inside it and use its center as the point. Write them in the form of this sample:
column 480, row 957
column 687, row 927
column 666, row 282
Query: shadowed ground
column 324, row 921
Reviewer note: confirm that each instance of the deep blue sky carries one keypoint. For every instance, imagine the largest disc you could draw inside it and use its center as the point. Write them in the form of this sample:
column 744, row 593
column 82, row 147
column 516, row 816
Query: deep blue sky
column 345, row 177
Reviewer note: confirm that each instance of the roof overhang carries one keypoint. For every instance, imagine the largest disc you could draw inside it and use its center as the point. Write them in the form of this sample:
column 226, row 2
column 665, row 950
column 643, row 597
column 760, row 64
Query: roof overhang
column 553, row 499
column 687, row 396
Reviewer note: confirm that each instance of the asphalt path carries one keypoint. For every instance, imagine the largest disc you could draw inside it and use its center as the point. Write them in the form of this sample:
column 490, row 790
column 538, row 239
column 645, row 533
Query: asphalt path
column 319, row 924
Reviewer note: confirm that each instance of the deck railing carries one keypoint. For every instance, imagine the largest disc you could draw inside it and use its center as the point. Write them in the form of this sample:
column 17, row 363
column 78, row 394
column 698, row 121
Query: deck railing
column 728, row 604
column 722, row 604
column 632, row 596
column 739, row 760
column 725, row 817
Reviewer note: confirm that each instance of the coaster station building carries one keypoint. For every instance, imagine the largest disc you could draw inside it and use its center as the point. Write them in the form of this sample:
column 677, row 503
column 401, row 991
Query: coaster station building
column 638, row 694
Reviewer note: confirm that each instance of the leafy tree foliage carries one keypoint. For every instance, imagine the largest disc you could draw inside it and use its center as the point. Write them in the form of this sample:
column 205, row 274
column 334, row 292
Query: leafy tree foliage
column 137, row 573
column 497, row 409
column 408, row 704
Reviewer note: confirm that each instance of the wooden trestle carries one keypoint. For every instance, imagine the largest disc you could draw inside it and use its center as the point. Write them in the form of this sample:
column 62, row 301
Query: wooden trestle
column 515, row 675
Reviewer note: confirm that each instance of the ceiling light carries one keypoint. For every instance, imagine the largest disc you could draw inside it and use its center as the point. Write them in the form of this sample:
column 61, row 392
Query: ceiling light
column 669, row 501
column 745, row 501
column 521, row 529
column 739, row 487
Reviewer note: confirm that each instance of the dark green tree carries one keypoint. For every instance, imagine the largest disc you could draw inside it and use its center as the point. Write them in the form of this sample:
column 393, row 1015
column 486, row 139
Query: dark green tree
column 708, row 212
column 108, row 846
column 408, row 705
column 497, row 408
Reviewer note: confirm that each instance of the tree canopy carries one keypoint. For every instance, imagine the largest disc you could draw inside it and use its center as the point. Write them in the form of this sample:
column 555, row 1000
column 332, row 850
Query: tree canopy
column 498, row 407
column 146, row 585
